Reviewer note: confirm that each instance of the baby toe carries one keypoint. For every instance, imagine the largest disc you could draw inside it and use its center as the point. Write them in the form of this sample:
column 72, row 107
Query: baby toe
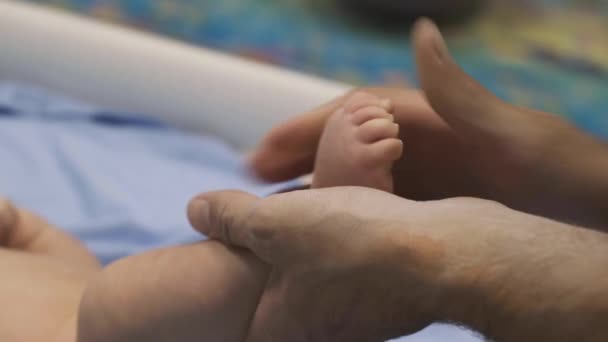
column 387, row 150
column 363, row 99
column 365, row 114
column 377, row 129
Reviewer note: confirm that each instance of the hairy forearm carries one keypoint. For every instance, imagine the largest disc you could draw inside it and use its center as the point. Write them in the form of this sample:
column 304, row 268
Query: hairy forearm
column 553, row 286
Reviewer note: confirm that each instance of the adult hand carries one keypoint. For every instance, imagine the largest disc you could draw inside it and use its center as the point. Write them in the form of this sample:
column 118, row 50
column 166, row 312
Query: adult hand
column 357, row 264
column 44, row 272
column 461, row 140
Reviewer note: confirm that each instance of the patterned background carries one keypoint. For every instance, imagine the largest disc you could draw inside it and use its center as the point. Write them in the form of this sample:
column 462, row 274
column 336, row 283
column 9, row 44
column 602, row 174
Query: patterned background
column 546, row 54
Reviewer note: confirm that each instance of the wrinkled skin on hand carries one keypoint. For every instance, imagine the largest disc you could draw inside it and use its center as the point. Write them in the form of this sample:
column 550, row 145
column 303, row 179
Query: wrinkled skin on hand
column 358, row 264
column 355, row 263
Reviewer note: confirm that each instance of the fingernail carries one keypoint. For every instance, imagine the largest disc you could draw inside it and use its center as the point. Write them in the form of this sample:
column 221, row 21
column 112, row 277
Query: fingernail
column 426, row 30
column 440, row 46
column 200, row 212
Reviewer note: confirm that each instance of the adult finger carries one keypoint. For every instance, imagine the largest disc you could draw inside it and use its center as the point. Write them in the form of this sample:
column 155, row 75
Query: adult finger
column 460, row 100
column 240, row 219
column 289, row 150
column 221, row 215
column 279, row 229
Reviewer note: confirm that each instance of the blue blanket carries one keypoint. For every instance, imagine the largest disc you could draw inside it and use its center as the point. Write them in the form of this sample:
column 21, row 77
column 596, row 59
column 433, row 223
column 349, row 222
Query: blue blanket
column 119, row 182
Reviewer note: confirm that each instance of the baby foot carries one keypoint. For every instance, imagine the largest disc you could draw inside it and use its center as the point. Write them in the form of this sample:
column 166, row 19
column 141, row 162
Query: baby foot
column 359, row 145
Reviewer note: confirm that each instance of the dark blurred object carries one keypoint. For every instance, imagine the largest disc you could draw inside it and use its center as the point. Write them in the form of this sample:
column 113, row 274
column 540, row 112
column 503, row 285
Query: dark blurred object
column 443, row 10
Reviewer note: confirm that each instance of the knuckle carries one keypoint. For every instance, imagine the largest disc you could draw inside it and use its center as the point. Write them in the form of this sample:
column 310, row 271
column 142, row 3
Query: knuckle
column 264, row 219
column 260, row 219
column 220, row 220
column 221, row 213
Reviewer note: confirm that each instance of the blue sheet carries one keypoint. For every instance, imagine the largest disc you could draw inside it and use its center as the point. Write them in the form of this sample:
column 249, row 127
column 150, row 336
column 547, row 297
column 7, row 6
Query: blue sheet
column 117, row 181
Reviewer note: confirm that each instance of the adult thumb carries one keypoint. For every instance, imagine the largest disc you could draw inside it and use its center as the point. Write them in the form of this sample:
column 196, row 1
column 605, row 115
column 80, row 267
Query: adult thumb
column 243, row 220
column 462, row 102
column 222, row 215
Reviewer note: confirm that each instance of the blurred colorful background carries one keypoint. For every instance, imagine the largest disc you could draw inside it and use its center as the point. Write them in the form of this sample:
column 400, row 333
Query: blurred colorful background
column 547, row 54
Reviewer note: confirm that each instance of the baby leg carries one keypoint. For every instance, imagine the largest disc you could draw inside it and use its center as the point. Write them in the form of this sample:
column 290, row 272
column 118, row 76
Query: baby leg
column 359, row 146
column 200, row 292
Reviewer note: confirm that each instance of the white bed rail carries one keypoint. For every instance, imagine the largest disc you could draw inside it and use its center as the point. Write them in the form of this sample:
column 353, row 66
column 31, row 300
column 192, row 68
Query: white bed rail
column 132, row 71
